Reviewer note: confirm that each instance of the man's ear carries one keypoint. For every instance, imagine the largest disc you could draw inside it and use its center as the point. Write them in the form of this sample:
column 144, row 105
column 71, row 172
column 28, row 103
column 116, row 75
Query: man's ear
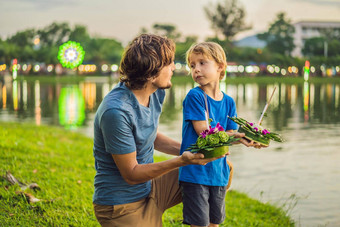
column 152, row 79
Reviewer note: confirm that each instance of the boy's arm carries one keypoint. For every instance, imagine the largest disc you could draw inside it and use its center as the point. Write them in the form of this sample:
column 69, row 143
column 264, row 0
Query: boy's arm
column 167, row 145
column 199, row 126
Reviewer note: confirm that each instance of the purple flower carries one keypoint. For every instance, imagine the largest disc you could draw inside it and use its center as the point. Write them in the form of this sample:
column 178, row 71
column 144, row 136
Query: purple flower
column 256, row 129
column 251, row 124
column 265, row 131
column 211, row 130
column 204, row 133
column 219, row 127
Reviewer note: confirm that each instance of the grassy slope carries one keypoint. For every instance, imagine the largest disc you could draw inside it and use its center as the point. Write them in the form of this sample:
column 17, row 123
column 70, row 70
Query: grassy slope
column 61, row 163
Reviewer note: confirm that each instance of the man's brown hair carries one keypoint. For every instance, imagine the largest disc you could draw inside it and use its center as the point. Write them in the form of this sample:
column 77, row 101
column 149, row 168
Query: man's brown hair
column 143, row 58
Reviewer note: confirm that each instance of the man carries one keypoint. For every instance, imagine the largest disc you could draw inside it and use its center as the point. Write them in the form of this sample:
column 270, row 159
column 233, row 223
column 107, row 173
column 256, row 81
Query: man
column 131, row 190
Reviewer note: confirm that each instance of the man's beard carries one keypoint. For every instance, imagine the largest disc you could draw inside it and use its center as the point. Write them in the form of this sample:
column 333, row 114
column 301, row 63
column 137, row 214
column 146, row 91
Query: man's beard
column 163, row 87
column 166, row 87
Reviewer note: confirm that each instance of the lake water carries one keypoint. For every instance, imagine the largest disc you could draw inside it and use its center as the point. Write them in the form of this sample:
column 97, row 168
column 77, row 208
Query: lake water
column 302, row 174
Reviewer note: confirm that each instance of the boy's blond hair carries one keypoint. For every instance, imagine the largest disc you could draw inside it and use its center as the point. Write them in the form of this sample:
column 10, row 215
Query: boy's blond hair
column 209, row 50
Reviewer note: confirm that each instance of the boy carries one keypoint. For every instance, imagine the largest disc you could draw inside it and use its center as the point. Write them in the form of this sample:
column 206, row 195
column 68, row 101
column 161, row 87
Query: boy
column 130, row 189
column 204, row 187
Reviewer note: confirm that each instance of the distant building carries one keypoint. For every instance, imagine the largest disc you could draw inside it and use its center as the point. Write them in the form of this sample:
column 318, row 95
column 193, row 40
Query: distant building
column 309, row 29
column 250, row 41
column 303, row 30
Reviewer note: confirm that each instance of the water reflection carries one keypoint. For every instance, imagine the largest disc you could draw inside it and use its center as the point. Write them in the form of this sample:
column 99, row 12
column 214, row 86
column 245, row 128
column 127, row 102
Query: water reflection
column 4, row 96
column 89, row 94
column 306, row 100
column 15, row 95
column 313, row 103
column 72, row 107
column 307, row 115
column 37, row 108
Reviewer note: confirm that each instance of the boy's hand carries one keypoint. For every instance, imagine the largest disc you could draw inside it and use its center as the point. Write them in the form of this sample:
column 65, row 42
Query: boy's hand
column 258, row 145
column 236, row 134
column 241, row 136
column 251, row 143
column 246, row 142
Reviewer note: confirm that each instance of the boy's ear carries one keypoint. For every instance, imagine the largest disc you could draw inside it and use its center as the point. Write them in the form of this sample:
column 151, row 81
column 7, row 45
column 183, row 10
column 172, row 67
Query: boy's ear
column 221, row 66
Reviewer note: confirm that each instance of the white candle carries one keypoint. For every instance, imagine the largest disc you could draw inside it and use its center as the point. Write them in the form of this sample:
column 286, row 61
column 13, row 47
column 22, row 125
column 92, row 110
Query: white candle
column 206, row 119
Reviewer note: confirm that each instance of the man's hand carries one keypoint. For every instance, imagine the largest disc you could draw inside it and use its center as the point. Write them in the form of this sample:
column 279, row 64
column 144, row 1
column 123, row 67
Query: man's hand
column 189, row 158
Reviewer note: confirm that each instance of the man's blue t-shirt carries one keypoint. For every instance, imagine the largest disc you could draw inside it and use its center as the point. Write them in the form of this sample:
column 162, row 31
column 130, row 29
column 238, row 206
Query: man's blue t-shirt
column 122, row 126
column 214, row 173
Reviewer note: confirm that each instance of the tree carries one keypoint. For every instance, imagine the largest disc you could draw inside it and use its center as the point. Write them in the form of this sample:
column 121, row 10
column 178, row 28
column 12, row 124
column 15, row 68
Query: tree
column 331, row 38
column 182, row 47
column 79, row 34
column 2, row 50
column 22, row 46
column 334, row 48
column 102, row 50
column 330, row 33
column 314, row 47
column 54, row 34
column 227, row 18
column 23, row 38
column 279, row 37
column 167, row 30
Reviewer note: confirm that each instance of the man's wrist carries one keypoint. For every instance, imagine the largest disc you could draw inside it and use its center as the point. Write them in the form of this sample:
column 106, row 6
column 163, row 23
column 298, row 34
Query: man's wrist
column 181, row 161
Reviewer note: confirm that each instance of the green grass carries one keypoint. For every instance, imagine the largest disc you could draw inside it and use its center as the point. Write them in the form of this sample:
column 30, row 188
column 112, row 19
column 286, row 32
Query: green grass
column 61, row 163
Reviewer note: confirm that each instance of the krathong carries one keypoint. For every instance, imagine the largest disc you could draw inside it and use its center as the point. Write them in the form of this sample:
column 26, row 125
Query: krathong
column 256, row 132
column 212, row 142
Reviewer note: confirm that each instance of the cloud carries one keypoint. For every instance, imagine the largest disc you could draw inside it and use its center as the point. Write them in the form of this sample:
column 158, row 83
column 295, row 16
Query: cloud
column 38, row 4
column 322, row 2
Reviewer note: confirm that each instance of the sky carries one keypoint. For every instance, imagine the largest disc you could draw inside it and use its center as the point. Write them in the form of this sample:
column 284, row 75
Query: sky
column 124, row 19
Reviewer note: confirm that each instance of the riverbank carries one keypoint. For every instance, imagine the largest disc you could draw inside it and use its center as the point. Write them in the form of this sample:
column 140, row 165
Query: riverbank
column 61, row 163
column 177, row 78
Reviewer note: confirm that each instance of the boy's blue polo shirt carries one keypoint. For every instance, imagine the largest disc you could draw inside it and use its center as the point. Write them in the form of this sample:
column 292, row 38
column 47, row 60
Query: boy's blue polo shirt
column 214, row 173
column 122, row 126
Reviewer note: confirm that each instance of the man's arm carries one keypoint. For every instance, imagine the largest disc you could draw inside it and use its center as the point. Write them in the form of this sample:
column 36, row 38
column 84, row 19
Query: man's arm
column 167, row 145
column 134, row 173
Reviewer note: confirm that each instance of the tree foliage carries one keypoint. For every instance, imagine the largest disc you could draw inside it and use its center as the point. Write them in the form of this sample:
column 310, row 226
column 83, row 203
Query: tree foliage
column 102, row 50
column 182, row 47
column 170, row 31
column 279, row 37
column 316, row 47
column 23, row 47
column 330, row 33
column 167, row 30
column 227, row 18
column 54, row 34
